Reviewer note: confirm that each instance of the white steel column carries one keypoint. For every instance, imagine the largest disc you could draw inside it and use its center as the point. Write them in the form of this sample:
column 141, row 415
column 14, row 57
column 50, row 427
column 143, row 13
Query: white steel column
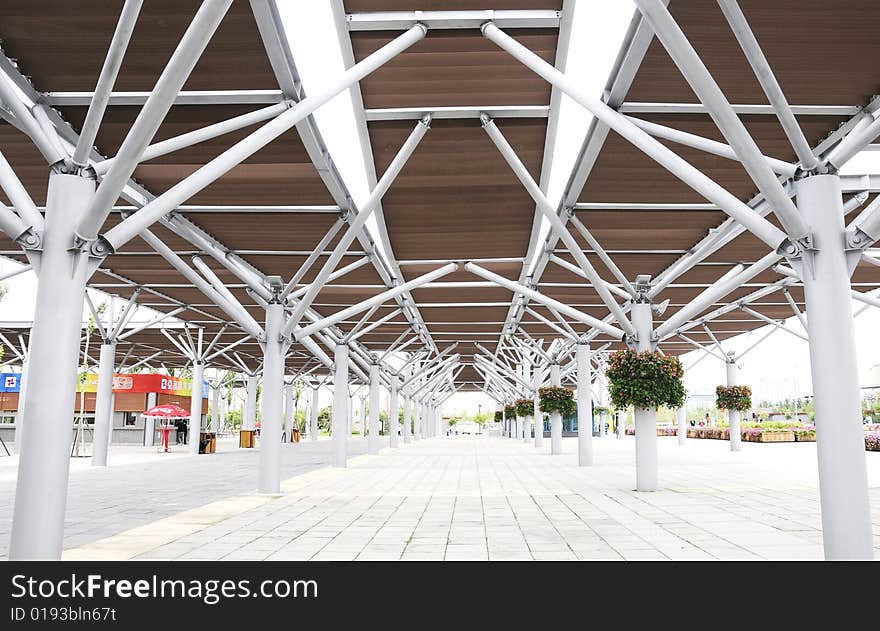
column 373, row 442
column 584, row 405
column 840, row 441
column 103, row 405
column 733, row 416
column 19, row 412
column 41, row 487
column 393, row 412
column 250, row 403
column 407, row 419
column 195, row 406
column 555, row 417
column 681, row 419
column 362, row 415
column 269, row 479
column 339, row 424
column 527, row 420
column 440, row 430
column 215, row 409
column 645, row 419
column 150, row 422
column 429, row 419
column 289, row 411
column 539, row 416
column 313, row 413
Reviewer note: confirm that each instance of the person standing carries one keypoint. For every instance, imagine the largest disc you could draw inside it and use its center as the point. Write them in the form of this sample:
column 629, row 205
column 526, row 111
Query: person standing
column 182, row 431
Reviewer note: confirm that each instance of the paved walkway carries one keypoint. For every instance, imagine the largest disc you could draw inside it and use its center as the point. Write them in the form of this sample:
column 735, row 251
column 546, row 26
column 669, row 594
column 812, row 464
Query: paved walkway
column 492, row 498
column 142, row 485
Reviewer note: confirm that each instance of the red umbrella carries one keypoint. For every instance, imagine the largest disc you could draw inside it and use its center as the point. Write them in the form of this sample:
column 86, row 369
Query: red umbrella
column 169, row 410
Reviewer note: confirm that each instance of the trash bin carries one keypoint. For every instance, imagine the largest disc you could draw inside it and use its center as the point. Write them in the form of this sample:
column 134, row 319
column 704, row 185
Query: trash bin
column 208, row 443
column 295, row 434
column 246, row 439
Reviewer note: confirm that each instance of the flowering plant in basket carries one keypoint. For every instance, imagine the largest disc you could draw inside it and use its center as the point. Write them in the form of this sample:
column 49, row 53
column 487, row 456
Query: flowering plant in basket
column 645, row 380
column 524, row 407
column 509, row 411
column 733, row 398
column 556, row 399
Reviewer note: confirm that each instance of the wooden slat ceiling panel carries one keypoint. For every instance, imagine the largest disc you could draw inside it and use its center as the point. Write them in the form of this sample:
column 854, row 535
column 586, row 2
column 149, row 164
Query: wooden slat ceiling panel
column 62, row 45
column 454, row 67
column 625, row 174
column 279, row 173
column 844, row 74
column 457, row 198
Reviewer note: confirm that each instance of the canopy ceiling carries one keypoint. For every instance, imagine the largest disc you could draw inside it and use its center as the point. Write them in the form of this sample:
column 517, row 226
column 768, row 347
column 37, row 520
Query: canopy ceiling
column 456, row 199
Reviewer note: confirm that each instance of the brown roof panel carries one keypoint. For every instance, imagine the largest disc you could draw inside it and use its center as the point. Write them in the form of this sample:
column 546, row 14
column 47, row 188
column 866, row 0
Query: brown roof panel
column 62, row 45
column 457, row 198
column 454, row 67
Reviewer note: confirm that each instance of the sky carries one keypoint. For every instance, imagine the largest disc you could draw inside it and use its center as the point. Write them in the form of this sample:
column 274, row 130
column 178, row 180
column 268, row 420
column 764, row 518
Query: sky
column 777, row 368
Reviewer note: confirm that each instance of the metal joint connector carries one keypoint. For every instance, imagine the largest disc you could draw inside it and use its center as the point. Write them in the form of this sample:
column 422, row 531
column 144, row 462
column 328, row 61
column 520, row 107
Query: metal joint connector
column 101, row 248
column 30, row 239
column 791, row 249
column 857, row 239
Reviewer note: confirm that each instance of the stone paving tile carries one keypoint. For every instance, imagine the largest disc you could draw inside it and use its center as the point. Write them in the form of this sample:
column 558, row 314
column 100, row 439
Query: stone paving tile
column 476, row 498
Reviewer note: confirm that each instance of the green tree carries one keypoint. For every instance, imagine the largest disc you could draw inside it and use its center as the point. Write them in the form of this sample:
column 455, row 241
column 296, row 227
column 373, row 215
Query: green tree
column 324, row 417
column 481, row 418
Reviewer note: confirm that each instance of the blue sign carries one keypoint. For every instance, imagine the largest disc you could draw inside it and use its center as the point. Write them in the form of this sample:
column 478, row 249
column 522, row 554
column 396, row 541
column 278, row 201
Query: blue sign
column 10, row 382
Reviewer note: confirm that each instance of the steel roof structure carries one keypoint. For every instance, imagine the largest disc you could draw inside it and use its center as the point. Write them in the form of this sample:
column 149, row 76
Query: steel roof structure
column 190, row 167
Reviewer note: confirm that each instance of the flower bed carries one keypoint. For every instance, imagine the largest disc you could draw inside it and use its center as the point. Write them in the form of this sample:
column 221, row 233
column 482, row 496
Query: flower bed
column 806, row 434
column 661, row 431
column 755, row 435
column 717, row 433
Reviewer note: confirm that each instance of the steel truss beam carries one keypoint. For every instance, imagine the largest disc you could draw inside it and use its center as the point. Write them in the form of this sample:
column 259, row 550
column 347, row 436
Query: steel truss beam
column 400, row 20
column 457, row 112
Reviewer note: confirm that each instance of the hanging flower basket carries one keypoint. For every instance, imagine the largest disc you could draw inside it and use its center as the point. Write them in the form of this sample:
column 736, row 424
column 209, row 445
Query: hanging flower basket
column 645, row 380
column 599, row 409
column 509, row 411
column 498, row 416
column 524, row 407
column 556, row 399
column 733, row 398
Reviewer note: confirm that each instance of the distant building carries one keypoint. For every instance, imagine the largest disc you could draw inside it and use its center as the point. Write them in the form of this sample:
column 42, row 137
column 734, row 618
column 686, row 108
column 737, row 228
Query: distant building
column 875, row 376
